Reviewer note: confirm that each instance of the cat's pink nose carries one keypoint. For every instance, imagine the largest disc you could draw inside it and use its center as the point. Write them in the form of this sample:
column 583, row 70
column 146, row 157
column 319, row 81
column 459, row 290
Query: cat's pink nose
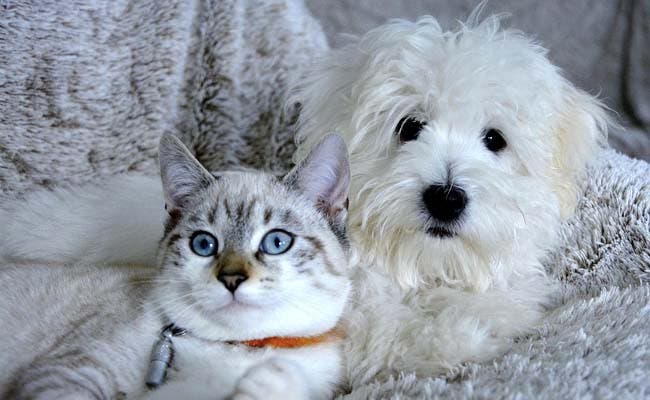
column 232, row 281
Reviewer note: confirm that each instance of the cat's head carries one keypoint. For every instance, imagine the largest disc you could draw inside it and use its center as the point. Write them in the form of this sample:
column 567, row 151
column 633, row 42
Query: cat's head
column 246, row 255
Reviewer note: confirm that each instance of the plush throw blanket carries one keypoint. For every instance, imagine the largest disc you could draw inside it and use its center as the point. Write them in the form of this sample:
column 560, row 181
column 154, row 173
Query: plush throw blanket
column 88, row 86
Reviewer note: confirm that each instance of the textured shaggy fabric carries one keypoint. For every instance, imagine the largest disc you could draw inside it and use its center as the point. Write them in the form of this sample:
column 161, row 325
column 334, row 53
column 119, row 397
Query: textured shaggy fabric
column 588, row 348
column 87, row 87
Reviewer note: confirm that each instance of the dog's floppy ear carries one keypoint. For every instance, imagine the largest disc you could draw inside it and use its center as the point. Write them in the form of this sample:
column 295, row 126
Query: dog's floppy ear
column 579, row 134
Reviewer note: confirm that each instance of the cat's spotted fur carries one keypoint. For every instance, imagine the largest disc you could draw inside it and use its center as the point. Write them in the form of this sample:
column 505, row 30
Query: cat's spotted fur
column 86, row 331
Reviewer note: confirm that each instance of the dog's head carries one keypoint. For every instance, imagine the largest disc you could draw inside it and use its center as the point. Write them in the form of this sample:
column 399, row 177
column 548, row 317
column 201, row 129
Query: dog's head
column 466, row 146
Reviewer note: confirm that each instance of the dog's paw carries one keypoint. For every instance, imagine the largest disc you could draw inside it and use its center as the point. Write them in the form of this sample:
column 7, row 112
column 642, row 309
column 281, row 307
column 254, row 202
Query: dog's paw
column 273, row 379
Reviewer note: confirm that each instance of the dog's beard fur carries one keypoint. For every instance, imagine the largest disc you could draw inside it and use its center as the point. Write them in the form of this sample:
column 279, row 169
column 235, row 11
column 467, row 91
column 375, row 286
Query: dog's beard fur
column 460, row 84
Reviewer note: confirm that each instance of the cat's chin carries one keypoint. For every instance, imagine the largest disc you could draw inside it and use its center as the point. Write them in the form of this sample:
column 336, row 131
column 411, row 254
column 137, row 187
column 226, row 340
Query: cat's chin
column 222, row 300
column 241, row 304
column 237, row 305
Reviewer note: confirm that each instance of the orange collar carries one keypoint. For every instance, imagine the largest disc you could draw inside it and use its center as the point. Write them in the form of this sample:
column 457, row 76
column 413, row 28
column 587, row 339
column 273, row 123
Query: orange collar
column 289, row 342
column 163, row 349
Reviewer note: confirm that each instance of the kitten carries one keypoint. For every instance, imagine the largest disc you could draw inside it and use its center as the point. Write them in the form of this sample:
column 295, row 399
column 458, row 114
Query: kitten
column 245, row 302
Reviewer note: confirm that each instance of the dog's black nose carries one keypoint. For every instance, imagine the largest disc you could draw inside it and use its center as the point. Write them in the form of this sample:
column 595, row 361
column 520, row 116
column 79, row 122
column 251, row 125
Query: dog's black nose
column 444, row 203
column 232, row 281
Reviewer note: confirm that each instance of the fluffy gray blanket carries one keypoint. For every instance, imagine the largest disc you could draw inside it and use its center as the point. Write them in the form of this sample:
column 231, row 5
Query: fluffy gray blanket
column 88, row 86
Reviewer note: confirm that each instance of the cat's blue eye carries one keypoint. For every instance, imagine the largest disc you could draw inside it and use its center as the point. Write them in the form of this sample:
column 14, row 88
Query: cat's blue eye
column 276, row 242
column 203, row 244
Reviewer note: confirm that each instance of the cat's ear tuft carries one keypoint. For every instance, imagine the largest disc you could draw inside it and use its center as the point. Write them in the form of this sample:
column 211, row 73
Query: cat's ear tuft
column 324, row 177
column 182, row 174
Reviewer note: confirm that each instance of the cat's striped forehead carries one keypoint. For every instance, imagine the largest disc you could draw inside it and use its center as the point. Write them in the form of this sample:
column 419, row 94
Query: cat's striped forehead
column 240, row 203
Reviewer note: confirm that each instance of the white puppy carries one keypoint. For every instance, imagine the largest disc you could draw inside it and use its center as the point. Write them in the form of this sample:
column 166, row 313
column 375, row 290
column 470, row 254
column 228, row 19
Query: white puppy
column 466, row 147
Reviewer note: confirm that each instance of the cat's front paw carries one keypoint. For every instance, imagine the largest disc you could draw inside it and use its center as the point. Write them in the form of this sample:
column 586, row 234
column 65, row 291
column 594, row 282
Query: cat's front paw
column 275, row 378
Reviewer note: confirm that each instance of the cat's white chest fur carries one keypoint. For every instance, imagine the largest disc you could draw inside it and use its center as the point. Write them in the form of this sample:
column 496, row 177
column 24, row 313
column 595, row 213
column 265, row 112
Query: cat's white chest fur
column 202, row 369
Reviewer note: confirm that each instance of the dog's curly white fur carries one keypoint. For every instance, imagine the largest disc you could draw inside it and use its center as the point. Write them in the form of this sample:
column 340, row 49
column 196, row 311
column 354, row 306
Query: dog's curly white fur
column 428, row 302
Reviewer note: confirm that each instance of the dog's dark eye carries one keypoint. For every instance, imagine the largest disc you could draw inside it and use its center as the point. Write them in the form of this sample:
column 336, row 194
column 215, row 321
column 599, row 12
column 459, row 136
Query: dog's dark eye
column 494, row 140
column 408, row 128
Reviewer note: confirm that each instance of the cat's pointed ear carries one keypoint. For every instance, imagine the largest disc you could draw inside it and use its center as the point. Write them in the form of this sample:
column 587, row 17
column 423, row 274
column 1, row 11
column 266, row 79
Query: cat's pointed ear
column 324, row 177
column 182, row 175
